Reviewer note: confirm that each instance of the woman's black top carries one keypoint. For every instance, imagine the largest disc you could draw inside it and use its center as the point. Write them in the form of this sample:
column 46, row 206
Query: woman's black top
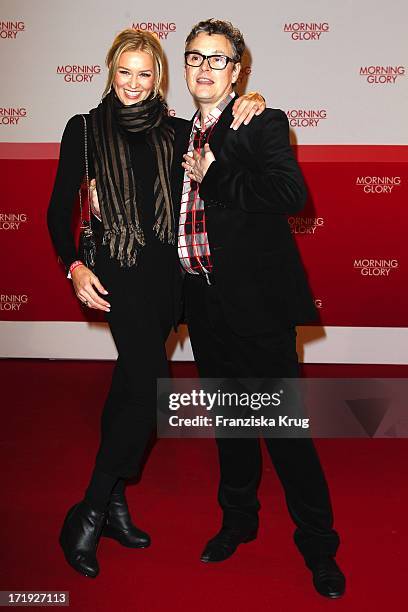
column 70, row 174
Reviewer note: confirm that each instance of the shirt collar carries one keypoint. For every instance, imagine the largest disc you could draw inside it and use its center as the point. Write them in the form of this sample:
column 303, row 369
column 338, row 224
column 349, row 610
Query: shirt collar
column 214, row 115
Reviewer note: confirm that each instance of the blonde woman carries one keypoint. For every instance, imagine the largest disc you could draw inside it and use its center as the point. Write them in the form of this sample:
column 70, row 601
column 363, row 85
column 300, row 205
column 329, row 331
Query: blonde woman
column 131, row 140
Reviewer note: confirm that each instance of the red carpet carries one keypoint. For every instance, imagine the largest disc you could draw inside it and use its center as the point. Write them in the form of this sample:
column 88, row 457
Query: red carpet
column 45, row 468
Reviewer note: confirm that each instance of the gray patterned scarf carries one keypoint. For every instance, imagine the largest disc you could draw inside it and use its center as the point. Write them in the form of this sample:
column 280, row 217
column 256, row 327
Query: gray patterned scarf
column 114, row 173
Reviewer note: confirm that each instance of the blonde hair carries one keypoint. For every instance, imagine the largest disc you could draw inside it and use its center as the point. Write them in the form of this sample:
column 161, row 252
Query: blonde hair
column 136, row 40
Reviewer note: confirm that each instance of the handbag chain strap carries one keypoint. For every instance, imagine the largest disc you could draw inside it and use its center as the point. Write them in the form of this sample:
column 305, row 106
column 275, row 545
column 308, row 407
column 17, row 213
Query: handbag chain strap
column 86, row 224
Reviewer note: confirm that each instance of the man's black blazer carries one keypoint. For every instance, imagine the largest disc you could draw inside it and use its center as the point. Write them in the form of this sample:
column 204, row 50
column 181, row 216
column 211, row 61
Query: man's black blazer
column 248, row 192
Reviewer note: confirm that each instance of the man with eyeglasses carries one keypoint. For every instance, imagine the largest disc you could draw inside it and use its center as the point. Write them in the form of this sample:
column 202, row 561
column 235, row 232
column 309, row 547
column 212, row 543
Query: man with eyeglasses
column 245, row 290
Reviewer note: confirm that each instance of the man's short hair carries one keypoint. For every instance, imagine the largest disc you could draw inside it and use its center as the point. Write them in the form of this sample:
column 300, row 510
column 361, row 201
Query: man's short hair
column 225, row 28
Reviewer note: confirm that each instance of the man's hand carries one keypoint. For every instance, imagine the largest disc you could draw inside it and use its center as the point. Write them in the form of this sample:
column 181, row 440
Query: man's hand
column 246, row 107
column 84, row 281
column 197, row 165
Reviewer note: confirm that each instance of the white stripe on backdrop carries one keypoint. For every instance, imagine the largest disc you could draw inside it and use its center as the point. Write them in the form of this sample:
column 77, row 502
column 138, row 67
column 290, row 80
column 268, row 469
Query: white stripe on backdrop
column 75, row 340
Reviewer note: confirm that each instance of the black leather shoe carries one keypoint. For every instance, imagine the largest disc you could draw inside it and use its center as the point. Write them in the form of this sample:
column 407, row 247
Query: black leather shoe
column 328, row 579
column 226, row 542
column 119, row 525
column 79, row 538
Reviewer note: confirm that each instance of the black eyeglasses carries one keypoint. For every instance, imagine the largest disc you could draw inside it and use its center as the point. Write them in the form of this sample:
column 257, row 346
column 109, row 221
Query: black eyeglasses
column 216, row 62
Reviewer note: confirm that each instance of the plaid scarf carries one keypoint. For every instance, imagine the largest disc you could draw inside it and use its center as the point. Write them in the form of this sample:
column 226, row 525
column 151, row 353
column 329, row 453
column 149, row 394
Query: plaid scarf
column 111, row 120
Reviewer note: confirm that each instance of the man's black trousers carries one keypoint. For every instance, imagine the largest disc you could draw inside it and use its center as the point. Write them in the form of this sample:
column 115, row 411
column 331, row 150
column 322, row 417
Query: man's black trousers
column 219, row 353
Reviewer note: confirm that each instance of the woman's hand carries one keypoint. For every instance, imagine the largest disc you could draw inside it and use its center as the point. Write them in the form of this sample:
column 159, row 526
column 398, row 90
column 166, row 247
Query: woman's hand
column 246, row 107
column 197, row 165
column 84, row 281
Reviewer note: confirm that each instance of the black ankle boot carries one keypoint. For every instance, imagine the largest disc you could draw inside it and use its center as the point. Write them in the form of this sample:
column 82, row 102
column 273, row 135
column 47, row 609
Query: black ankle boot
column 80, row 536
column 119, row 525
